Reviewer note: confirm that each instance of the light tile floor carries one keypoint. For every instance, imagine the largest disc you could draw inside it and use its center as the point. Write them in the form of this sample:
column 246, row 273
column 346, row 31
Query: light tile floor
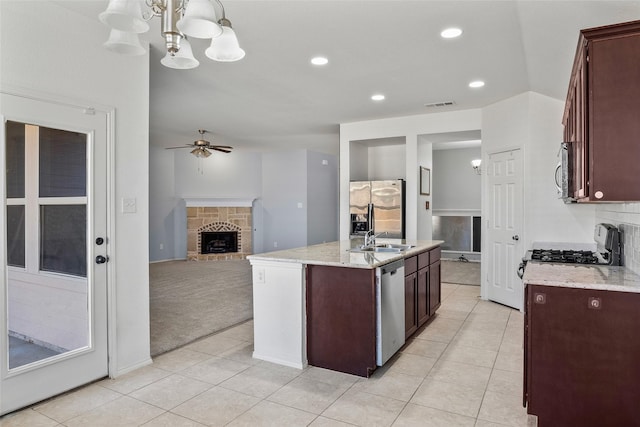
column 463, row 369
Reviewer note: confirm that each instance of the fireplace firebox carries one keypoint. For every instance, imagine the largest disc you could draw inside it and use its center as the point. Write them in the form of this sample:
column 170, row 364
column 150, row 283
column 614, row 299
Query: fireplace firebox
column 218, row 242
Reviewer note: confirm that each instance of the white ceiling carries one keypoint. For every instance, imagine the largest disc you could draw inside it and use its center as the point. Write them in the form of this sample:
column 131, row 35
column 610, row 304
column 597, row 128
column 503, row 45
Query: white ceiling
column 275, row 99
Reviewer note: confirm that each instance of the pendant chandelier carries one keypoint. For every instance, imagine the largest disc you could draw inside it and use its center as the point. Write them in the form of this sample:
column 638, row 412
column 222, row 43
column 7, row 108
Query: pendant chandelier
column 180, row 18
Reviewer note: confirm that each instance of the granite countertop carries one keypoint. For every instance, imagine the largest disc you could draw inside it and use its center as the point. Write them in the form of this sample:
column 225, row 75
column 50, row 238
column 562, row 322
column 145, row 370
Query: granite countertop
column 599, row 277
column 338, row 253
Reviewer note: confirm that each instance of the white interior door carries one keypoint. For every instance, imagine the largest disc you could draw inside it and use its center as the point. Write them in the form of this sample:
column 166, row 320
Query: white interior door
column 504, row 231
column 54, row 276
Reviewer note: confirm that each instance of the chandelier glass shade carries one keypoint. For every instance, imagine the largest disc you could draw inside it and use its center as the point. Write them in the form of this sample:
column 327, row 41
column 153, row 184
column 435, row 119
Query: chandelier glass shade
column 180, row 19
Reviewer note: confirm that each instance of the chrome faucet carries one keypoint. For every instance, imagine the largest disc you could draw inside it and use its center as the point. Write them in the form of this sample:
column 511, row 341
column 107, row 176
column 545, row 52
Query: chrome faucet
column 370, row 238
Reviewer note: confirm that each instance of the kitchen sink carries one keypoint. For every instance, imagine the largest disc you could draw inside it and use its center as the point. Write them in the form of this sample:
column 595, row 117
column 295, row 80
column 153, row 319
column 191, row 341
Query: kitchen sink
column 394, row 246
column 378, row 249
column 386, row 247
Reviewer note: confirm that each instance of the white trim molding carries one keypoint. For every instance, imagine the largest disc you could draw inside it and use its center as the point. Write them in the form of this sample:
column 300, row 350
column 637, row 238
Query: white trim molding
column 218, row 203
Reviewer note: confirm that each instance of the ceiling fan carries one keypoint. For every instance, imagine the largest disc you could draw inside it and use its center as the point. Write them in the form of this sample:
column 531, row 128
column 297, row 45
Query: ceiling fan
column 201, row 146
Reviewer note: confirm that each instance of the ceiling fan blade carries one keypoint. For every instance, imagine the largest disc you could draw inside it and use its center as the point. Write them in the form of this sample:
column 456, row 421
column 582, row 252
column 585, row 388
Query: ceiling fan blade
column 220, row 149
column 183, row 146
column 226, row 147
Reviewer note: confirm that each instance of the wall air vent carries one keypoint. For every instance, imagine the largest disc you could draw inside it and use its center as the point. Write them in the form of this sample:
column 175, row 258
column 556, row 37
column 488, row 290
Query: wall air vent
column 440, row 104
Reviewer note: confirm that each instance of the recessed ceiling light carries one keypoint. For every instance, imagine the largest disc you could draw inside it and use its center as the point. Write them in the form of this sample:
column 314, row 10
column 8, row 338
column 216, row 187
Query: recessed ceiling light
column 319, row 60
column 377, row 97
column 476, row 84
column 451, row 33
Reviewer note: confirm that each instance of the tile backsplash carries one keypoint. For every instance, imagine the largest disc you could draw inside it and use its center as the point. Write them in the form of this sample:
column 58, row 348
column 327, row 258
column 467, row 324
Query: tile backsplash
column 626, row 216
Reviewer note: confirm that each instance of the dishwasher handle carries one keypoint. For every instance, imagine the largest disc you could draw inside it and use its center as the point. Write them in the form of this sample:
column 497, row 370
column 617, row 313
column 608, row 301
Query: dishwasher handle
column 392, row 267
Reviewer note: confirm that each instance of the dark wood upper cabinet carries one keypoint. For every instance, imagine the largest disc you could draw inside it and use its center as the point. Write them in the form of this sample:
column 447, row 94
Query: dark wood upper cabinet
column 601, row 114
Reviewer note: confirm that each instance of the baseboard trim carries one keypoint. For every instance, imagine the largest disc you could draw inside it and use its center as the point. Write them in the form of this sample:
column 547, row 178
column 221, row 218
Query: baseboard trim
column 167, row 260
column 131, row 368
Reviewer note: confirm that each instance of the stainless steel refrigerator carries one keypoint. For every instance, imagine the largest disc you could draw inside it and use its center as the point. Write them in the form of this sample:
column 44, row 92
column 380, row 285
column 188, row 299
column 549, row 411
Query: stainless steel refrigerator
column 388, row 200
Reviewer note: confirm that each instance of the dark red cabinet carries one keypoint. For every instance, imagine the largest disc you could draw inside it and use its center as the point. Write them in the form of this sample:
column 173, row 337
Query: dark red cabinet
column 601, row 113
column 341, row 319
column 341, row 311
column 582, row 349
column 422, row 289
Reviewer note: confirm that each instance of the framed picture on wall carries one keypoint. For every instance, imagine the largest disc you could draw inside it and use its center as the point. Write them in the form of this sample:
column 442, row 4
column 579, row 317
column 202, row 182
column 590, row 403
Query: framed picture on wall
column 425, row 181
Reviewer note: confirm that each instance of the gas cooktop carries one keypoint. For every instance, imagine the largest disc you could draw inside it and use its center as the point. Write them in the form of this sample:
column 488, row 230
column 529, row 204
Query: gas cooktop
column 564, row 256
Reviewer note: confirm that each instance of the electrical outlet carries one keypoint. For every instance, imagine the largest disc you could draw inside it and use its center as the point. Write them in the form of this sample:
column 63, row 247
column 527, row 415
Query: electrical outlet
column 260, row 275
column 161, row 246
column 275, row 244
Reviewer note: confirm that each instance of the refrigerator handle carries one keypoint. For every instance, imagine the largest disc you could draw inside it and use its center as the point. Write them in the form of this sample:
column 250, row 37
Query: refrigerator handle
column 370, row 220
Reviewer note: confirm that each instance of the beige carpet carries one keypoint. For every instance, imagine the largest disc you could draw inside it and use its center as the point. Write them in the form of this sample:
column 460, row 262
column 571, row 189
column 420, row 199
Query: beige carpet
column 192, row 299
column 461, row 273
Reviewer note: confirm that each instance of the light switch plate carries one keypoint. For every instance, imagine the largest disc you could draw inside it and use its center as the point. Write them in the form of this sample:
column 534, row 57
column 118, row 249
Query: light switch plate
column 128, row 205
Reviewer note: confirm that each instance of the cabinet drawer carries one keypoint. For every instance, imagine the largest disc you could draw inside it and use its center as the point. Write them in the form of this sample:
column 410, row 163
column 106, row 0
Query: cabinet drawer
column 410, row 265
column 434, row 255
column 423, row 260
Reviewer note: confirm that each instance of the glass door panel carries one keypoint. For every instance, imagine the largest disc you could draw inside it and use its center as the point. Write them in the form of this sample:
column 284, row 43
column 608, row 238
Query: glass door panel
column 15, row 159
column 15, row 236
column 63, row 233
column 48, row 294
column 62, row 163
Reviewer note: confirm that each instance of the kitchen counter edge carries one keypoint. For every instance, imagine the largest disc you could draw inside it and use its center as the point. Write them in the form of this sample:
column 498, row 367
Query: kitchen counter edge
column 597, row 277
column 339, row 254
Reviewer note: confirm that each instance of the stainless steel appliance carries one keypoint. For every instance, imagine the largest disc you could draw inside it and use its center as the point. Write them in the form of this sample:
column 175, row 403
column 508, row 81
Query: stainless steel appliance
column 379, row 205
column 390, row 318
column 608, row 250
column 564, row 173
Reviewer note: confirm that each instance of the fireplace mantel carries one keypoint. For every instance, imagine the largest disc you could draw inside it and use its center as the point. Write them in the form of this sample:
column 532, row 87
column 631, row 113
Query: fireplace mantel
column 217, row 202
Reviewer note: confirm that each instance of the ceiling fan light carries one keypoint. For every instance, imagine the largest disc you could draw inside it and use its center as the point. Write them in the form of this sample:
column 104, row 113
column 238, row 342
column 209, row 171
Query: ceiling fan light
column 226, row 47
column 124, row 43
column 201, row 153
column 200, row 20
column 124, row 15
column 181, row 60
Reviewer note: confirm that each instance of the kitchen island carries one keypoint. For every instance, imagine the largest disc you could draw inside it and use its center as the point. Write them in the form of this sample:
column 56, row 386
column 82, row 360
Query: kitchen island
column 318, row 302
column 582, row 344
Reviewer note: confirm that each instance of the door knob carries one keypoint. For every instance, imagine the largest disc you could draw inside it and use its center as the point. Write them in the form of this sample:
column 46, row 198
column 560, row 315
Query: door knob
column 516, row 237
column 101, row 259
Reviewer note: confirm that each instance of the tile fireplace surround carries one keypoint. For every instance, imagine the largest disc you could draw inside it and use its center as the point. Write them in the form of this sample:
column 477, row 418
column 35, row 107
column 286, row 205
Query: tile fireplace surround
column 218, row 218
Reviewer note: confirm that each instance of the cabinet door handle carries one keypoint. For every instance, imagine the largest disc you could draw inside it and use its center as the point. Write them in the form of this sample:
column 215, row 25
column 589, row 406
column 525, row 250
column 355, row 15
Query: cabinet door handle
column 595, row 303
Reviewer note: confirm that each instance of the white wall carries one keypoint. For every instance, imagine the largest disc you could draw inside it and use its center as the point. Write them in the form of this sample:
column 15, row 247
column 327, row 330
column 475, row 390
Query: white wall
column 456, row 186
column 424, row 216
column 284, row 187
column 359, row 162
column 177, row 174
column 410, row 127
column 531, row 122
column 322, row 198
column 277, row 181
column 49, row 49
column 387, row 162
column 163, row 207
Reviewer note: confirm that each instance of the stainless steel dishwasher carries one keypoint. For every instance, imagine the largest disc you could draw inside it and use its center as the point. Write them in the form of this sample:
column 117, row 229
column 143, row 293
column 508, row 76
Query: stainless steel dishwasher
column 390, row 310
